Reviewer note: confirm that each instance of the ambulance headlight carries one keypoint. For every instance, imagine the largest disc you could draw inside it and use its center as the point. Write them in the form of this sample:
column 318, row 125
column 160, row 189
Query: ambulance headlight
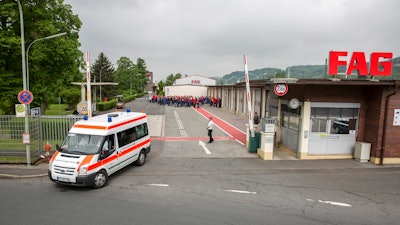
column 83, row 170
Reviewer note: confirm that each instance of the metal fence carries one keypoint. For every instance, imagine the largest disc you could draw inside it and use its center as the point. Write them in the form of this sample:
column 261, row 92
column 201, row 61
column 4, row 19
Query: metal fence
column 42, row 130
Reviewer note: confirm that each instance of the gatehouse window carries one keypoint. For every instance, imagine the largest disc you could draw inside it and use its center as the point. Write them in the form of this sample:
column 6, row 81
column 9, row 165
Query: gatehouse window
column 337, row 119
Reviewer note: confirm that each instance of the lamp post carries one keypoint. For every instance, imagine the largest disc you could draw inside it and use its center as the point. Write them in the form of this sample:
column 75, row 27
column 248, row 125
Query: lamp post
column 27, row 52
column 21, row 18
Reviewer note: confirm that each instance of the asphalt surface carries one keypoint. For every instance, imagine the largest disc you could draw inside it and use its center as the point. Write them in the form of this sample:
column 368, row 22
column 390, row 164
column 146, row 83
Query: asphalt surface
column 22, row 171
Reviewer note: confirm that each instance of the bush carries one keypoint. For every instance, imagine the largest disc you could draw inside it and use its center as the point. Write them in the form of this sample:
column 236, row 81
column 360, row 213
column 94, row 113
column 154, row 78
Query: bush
column 103, row 106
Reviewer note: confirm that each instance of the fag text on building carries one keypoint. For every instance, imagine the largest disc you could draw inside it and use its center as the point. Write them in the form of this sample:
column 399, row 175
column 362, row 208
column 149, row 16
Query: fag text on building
column 380, row 63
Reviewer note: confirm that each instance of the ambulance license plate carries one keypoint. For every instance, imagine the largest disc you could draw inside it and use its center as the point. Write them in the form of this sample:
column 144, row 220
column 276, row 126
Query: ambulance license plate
column 62, row 179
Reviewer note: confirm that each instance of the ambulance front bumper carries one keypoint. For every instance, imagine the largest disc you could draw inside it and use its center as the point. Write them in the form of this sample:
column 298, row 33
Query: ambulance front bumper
column 85, row 180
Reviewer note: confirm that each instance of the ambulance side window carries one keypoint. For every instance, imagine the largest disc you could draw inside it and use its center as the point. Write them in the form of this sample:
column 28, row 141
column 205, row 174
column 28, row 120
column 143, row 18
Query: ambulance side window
column 126, row 137
column 108, row 146
column 142, row 130
column 109, row 143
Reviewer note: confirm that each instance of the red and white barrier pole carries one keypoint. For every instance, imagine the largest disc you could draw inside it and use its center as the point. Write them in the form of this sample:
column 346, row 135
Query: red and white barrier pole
column 88, row 87
column 249, row 108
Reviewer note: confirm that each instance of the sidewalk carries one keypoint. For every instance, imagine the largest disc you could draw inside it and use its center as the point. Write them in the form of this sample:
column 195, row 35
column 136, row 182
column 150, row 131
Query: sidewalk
column 18, row 171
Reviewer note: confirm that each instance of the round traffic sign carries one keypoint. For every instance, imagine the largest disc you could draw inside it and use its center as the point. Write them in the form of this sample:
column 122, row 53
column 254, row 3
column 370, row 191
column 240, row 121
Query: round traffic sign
column 82, row 108
column 281, row 89
column 25, row 97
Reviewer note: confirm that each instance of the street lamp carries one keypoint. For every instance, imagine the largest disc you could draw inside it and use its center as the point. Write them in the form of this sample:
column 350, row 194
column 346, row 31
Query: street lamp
column 27, row 53
column 21, row 18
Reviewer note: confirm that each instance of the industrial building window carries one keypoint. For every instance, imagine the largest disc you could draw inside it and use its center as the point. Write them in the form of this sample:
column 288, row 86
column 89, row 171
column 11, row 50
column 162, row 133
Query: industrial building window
column 334, row 120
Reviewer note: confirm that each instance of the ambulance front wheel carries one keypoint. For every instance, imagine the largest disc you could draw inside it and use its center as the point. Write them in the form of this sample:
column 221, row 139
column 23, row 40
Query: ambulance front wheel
column 100, row 180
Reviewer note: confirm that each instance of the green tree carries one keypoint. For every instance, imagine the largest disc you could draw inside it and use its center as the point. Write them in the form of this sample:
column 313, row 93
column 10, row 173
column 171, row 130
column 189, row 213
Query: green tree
column 124, row 75
column 103, row 71
column 53, row 64
column 280, row 74
column 160, row 88
column 140, row 78
column 171, row 79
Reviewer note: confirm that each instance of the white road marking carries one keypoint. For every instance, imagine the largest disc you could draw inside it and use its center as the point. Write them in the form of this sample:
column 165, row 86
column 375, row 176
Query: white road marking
column 331, row 202
column 180, row 125
column 160, row 185
column 336, row 203
column 202, row 144
column 239, row 141
column 239, row 191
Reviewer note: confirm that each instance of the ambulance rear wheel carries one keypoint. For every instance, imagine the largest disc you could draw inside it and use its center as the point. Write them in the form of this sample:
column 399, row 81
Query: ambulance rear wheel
column 100, row 180
column 141, row 159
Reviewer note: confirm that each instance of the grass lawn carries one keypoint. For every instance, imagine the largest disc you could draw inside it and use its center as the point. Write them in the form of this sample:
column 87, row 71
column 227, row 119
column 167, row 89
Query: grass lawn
column 17, row 159
column 58, row 109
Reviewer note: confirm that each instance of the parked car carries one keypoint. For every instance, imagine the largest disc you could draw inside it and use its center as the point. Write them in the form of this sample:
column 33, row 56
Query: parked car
column 120, row 102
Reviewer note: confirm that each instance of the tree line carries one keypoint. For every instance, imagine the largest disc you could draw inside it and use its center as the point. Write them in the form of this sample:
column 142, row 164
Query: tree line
column 57, row 62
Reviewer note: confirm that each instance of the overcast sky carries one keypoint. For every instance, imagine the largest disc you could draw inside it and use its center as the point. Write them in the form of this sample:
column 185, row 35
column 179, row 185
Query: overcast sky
column 210, row 37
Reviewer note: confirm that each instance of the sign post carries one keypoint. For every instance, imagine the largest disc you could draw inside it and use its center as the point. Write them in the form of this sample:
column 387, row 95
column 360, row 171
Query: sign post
column 25, row 97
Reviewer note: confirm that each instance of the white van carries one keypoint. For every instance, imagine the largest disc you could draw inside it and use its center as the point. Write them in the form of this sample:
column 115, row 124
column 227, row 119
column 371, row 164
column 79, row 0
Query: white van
column 99, row 146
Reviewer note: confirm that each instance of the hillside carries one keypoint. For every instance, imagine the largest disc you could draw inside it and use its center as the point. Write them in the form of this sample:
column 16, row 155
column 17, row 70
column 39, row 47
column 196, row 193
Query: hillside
column 300, row 71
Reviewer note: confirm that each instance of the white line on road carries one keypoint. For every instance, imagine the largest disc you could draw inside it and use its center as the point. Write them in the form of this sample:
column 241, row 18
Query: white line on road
column 160, row 185
column 331, row 203
column 239, row 191
column 202, row 144
column 180, row 125
column 336, row 203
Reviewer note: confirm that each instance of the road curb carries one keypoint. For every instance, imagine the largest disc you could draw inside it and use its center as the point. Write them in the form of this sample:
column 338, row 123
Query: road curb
column 11, row 176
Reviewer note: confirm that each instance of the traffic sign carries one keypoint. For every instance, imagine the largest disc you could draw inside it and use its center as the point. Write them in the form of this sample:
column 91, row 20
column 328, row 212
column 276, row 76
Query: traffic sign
column 82, row 108
column 20, row 110
column 25, row 97
column 281, row 89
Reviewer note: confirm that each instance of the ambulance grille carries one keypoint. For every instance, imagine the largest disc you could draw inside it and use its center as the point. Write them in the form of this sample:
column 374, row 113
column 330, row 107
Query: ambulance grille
column 64, row 170
column 70, row 156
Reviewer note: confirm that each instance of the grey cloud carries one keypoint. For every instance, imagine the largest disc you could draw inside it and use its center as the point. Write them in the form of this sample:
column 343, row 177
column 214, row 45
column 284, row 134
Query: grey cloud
column 209, row 37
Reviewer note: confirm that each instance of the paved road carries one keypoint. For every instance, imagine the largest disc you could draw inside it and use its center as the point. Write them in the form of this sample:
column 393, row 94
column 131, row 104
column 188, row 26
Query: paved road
column 182, row 184
column 182, row 130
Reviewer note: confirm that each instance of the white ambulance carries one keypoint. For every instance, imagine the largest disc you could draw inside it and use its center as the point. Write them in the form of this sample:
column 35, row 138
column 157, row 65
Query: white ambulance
column 99, row 146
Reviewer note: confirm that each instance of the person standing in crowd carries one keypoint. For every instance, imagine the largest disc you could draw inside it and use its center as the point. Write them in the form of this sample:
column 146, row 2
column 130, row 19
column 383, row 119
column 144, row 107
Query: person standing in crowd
column 256, row 118
column 210, row 127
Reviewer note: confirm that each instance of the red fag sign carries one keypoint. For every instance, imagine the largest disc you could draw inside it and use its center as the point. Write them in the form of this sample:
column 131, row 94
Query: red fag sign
column 281, row 89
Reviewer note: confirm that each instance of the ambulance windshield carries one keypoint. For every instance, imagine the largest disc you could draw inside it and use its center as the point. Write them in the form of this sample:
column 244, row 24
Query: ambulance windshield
column 84, row 144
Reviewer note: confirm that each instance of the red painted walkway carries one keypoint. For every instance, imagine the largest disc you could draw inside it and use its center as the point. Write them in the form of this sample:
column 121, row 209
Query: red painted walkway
column 232, row 131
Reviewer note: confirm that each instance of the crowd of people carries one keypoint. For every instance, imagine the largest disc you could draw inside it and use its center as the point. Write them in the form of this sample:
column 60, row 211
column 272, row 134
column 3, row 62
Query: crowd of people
column 186, row 101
